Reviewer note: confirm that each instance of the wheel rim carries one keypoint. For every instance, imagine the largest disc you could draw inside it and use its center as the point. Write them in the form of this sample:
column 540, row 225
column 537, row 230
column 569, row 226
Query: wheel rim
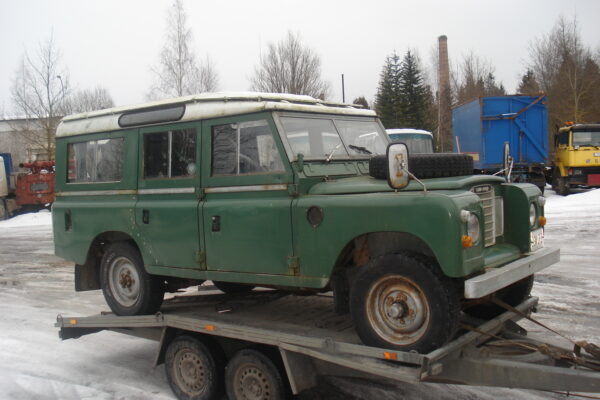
column 190, row 372
column 251, row 383
column 124, row 281
column 397, row 310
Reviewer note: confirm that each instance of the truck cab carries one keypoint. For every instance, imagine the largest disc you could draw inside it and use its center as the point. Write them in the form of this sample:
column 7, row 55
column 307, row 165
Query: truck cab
column 577, row 157
column 418, row 141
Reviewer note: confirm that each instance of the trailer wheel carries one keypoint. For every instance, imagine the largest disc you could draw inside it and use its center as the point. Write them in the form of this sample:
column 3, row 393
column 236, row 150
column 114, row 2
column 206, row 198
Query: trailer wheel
column 193, row 371
column 512, row 295
column 127, row 287
column 405, row 303
column 250, row 374
column 231, row 287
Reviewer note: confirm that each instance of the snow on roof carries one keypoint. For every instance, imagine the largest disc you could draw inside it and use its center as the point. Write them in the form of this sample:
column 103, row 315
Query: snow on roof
column 408, row 130
column 207, row 105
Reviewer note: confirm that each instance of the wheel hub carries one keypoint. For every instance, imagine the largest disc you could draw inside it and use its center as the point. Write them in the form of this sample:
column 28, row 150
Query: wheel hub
column 190, row 372
column 253, row 384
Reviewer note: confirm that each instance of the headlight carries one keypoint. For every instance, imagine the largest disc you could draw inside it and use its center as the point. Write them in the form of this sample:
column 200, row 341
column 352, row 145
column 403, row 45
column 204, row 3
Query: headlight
column 541, row 200
column 532, row 214
column 473, row 227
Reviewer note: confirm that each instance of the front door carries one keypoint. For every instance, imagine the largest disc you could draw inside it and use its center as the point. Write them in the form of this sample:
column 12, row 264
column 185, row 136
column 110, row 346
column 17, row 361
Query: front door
column 167, row 208
column 247, row 206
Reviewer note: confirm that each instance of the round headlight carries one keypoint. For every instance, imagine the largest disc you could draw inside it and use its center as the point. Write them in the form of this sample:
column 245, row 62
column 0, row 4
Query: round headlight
column 473, row 227
column 532, row 214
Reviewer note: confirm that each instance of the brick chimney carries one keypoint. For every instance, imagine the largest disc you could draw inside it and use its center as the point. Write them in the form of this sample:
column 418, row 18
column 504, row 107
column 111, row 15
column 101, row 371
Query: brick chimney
column 444, row 116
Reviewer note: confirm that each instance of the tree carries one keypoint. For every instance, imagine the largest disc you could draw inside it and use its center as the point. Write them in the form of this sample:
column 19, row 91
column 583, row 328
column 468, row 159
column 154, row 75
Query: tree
column 290, row 67
column 528, row 84
column 475, row 79
column 415, row 95
column 361, row 100
column 178, row 72
column 387, row 99
column 89, row 100
column 567, row 72
column 38, row 91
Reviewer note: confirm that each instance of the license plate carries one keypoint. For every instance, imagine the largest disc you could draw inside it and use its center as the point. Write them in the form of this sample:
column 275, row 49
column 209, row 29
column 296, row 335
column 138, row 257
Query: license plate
column 536, row 239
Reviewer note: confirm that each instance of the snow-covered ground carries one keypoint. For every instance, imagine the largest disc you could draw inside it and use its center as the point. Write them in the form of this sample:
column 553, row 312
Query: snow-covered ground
column 35, row 286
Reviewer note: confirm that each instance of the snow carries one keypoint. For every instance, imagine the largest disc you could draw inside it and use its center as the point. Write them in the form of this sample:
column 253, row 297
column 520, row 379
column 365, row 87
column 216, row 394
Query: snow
column 36, row 286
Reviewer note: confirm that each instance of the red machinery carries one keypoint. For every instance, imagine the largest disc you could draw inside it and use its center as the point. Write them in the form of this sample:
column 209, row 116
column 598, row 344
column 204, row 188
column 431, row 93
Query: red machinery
column 37, row 186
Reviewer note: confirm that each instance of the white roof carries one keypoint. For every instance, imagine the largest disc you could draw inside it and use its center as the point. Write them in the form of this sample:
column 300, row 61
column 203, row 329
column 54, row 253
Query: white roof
column 207, row 105
column 408, row 130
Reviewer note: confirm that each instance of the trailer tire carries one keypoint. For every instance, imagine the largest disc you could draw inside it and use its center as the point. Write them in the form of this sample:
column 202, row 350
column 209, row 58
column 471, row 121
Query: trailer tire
column 127, row 287
column 423, row 166
column 251, row 374
column 194, row 372
column 401, row 302
column 512, row 295
column 232, row 287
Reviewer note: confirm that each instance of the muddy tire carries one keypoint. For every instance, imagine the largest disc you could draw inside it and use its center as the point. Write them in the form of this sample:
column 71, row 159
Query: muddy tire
column 423, row 166
column 562, row 187
column 231, row 287
column 512, row 295
column 127, row 287
column 404, row 303
column 194, row 371
column 251, row 374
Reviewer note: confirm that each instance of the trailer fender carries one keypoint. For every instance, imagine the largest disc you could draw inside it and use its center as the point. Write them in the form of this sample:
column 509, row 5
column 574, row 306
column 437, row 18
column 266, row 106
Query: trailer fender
column 300, row 370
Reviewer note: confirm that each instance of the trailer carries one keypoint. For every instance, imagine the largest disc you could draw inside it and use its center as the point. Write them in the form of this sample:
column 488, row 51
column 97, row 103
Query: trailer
column 268, row 344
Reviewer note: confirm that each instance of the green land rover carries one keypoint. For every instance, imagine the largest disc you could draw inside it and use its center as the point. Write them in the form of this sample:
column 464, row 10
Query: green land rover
column 289, row 192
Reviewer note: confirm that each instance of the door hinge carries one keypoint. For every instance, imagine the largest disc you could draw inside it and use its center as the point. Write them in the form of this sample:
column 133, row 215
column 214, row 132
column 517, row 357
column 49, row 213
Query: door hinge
column 294, row 265
column 293, row 189
column 201, row 259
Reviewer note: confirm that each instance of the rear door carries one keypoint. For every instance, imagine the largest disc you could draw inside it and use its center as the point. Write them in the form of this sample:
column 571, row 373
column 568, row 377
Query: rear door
column 167, row 208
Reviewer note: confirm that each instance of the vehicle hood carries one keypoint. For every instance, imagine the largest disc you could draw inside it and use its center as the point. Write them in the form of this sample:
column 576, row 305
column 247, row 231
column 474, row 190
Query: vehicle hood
column 368, row 184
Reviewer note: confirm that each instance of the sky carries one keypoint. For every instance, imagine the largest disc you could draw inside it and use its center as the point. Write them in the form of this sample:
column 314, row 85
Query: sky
column 115, row 43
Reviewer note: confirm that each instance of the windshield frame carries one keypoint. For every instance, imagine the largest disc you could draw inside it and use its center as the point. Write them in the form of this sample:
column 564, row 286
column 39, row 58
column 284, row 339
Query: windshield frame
column 292, row 156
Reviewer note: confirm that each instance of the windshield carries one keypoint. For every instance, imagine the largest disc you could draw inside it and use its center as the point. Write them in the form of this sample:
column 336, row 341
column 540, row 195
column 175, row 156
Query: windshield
column 586, row 138
column 331, row 138
column 416, row 143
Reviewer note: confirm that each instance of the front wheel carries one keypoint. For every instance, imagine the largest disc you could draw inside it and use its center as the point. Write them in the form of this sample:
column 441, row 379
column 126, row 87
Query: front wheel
column 404, row 303
column 127, row 287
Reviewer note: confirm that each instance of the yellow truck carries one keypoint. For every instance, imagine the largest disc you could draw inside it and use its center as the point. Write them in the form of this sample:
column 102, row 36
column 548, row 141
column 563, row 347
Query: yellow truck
column 577, row 157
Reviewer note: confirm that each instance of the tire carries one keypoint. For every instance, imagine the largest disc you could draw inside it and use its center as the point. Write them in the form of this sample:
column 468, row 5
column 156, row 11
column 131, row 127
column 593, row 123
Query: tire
column 423, row 166
column 3, row 210
column 512, row 295
column 250, row 374
column 562, row 187
column 231, row 287
column 127, row 287
column 402, row 302
column 193, row 371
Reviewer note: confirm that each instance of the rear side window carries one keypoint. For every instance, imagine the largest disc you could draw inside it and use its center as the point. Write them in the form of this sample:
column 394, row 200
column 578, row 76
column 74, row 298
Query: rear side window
column 244, row 148
column 170, row 154
column 95, row 161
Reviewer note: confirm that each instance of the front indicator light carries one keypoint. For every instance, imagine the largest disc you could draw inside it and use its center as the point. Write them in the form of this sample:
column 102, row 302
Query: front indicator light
column 542, row 221
column 467, row 241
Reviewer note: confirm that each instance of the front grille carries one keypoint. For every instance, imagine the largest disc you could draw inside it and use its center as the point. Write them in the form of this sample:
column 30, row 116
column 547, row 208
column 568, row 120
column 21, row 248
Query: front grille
column 486, row 194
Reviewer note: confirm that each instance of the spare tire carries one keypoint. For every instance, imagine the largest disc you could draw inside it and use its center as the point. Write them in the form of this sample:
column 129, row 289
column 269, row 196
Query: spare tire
column 429, row 165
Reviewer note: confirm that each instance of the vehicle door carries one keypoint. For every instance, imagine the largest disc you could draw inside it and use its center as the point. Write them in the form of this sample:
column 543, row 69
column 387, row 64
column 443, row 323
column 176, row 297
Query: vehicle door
column 167, row 208
column 247, row 206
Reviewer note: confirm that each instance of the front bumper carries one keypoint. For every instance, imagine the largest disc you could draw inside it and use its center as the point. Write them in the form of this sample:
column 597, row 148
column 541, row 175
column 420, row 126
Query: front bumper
column 498, row 278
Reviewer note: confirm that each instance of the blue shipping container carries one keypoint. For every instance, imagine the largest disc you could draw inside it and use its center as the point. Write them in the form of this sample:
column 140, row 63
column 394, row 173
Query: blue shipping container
column 482, row 126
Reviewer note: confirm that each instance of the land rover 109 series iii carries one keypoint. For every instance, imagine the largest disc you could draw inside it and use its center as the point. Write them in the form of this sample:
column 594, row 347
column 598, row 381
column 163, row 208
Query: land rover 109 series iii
column 270, row 190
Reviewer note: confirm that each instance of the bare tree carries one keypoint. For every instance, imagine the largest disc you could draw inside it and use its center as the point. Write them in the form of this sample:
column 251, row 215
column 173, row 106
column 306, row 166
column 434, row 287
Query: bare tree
column 178, row 72
column 89, row 100
column 38, row 92
column 568, row 72
column 290, row 67
column 475, row 77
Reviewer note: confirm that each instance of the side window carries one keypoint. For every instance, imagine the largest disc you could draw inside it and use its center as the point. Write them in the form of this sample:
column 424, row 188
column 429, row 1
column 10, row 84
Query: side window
column 170, row 154
column 244, row 148
column 95, row 161
column 563, row 138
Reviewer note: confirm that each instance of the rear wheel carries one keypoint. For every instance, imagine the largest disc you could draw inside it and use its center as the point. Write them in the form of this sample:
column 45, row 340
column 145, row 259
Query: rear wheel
column 251, row 374
column 231, row 287
column 127, row 287
column 405, row 303
column 193, row 371
column 562, row 187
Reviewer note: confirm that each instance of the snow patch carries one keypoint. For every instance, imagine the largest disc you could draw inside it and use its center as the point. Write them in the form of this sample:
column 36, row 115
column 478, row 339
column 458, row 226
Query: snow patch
column 43, row 217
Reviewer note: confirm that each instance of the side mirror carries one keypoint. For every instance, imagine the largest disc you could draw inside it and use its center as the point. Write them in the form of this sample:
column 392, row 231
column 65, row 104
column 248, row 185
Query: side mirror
column 397, row 160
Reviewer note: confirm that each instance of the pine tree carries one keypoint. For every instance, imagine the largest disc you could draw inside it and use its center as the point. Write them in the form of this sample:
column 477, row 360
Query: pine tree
column 388, row 93
column 529, row 84
column 362, row 101
column 415, row 95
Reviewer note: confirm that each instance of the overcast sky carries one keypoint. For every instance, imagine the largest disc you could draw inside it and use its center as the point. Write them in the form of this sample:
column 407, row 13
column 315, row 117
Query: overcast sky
column 113, row 43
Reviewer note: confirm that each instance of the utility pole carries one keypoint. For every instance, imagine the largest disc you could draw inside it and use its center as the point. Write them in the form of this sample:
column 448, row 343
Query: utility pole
column 343, row 90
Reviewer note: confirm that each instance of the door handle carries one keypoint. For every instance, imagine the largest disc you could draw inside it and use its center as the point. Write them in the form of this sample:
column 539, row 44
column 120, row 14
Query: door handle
column 146, row 216
column 216, row 223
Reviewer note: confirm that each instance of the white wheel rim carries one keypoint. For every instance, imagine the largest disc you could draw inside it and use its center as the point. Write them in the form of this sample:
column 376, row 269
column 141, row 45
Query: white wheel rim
column 124, row 281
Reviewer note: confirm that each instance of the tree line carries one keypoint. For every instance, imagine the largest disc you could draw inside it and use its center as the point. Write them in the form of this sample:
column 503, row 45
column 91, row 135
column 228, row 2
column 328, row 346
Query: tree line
column 559, row 65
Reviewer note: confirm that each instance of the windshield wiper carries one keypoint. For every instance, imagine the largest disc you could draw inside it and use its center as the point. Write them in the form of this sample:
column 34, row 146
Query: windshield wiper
column 328, row 158
column 360, row 148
